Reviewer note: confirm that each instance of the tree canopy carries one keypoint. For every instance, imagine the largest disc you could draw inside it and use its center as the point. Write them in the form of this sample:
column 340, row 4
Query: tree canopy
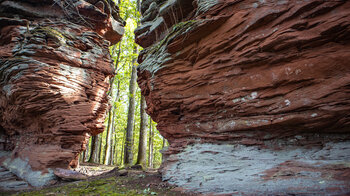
column 123, row 55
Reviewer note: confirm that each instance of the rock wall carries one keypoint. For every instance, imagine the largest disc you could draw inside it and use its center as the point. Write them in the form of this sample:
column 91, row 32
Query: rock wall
column 54, row 74
column 253, row 96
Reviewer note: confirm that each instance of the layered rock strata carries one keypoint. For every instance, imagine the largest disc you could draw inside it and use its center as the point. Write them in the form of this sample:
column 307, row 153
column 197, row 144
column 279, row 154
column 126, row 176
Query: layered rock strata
column 8, row 181
column 54, row 74
column 253, row 96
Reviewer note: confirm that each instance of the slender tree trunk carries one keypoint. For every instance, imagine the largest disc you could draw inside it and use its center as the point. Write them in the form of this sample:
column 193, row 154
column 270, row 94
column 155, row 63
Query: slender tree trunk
column 99, row 149
column 115, row 135
column 142, row 152
column 122, row 151
column 164, row 143
column 86, row 153
column 114, row 141
column 134, row 136
column 93, row 152
column 150, row 145
column 111, row 159
column 115, row 150
column 107, row 152
column 128, row 151
column 108, row 136
column 78, row 161
column 82, row 156
column 109, row 148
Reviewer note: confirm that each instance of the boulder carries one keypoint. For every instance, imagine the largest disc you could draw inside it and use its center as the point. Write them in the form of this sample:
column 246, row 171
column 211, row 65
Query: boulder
column 69, row 175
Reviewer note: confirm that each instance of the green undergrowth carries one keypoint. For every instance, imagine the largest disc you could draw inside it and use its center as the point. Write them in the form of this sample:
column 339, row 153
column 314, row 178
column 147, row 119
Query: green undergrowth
column 128, row 185
column 107, row 186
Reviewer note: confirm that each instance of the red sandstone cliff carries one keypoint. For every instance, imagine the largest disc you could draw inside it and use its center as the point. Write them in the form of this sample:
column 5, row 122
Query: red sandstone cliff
column 54, row 75
column 268, row 80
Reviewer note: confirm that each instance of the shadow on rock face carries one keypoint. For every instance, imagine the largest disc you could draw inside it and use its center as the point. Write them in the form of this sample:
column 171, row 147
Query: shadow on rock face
column 217, row 73
column 54, row 75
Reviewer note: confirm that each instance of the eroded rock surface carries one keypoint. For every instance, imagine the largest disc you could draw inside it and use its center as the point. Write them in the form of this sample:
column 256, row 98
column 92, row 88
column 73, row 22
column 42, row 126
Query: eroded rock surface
column 54, row 74
column 248, row 77
column 69, row 175
column 8, row 181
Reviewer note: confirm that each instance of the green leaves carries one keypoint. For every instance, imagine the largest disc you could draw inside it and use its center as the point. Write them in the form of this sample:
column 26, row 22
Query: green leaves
column 123, row 54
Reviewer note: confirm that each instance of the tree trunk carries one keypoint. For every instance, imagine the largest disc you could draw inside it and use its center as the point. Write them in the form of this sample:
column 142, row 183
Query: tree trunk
column 150, row 145
column 115, row 159
column 86, row 153
column 99, row 149
column 114, row 140
column 81, row 157
column 122, row 151
column 115, row 135
column 107, row 152
column 164, row 143
column 142, row 152
column 128, row 153
column 93, row 152
column 108, row 136
column 109, row 148
column 111, row 159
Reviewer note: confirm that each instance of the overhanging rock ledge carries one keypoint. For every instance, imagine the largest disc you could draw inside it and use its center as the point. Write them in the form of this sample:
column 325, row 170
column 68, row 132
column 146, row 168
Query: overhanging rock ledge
column 253, row 96
column 54, row 74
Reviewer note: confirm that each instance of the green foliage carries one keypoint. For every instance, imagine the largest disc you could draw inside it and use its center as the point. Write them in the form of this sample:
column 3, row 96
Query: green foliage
column 123, row 60
column 105, row 186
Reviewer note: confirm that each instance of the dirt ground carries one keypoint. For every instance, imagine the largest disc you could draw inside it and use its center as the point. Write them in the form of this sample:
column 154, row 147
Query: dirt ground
column 107, row 180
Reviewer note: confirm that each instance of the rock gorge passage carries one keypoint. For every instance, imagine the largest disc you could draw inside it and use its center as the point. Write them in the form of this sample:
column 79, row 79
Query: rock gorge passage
column 54, row 74
column 252, row 95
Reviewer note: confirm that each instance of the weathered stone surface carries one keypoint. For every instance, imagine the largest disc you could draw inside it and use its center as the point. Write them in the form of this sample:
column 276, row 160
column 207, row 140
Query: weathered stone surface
column 8, row 181
column 247, row 74
column 14, row 185
column 69, row 175
column 54, row 75
column 280, row 167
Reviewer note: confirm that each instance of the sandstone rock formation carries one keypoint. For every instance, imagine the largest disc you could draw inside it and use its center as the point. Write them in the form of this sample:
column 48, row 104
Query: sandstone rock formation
column 253, row 96
column 8, row 181
column 54, row 75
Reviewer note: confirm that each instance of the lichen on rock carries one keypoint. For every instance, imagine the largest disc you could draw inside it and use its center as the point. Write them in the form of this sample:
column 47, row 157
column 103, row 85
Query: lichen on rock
column 205, row 5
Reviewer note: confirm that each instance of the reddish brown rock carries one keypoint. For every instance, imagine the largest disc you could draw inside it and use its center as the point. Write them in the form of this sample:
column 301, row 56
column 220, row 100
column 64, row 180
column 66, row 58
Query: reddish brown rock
column 250, row 75
column 54, row 74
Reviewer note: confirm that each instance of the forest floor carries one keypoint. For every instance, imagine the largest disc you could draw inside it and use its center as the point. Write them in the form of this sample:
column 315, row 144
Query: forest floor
column 103, row 180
